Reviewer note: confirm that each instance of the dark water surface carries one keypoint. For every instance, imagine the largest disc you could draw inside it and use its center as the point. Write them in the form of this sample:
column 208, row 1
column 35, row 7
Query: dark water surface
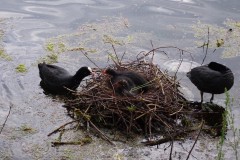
column 30, row 23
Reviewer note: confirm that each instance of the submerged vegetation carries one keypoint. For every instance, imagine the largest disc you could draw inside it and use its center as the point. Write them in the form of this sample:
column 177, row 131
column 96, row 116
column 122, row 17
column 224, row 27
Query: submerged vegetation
column 21, row 68
column 53, row 48
column 226, row 38
column 3, row 54
column 94, row 38
column 27, row 130
column 229, row 124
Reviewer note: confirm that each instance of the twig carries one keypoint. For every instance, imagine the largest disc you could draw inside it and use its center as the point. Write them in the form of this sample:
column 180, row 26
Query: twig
column 82, row 142
column 161, row 141
column 206, row 50
column 10, row 108
column 181, row 60
column 62, row 126
column 158, row 48
column 116, row 63
column 152, row 52
column 176, row 111
column 85, row 54
column 122, row 56
column 104, row 136
column 202, row 123
column 116, row 54
column 170, row 155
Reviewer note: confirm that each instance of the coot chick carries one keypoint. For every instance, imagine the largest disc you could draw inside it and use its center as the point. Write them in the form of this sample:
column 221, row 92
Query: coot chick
column 56, row 79
column 212, row 78
column 133, row 79
column 123, row 86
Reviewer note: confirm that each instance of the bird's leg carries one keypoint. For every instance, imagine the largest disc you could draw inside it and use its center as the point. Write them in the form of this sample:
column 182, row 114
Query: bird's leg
column 201, row 96
column 212, row 98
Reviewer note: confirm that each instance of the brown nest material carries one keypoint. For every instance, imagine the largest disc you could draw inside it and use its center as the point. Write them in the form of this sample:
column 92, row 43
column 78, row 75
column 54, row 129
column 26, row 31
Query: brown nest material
column 159, row 109
column 162, row 109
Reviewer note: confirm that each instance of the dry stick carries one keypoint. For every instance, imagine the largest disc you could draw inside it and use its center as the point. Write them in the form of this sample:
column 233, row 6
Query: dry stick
column 206, row 51
column 161, row 141
column 153, row 52
column 10, row 108
column 181, row 60
column 174, row 136
column 170, row 156
column 150, row 125
column 85, row 54
column 116, row 54
column 104, row 136
column 167, row 47
column 195, row 140
column 160, row 119
column 150, row 110
column 122, row 56
column 116, row 63
column 62, row 126
column 70, row 143
column 176, row 111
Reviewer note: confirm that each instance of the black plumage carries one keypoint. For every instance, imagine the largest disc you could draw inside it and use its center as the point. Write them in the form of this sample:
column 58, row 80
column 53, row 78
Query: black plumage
column 55, row 79
column 212, row 78
column 127, row 82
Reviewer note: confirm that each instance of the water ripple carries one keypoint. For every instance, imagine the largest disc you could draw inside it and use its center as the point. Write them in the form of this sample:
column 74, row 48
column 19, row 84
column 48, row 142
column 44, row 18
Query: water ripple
column 4, row 14
column 61, row 2
column 184, row 1
column 44, row 10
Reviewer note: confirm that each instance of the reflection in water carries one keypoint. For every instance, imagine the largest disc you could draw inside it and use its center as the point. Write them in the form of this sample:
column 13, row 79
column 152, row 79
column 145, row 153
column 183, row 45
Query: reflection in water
column 7, row 91
column 161, row 10
column 30, row 31
column 62, row 2
column 44, row 10
column 184, row 1
column 4, row 14
column 173, row 12
column 180, row 65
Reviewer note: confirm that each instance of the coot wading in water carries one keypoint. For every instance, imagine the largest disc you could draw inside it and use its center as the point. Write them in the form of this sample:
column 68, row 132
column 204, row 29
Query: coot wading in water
column 127, row 82
column 212, row 78
column 57, row 80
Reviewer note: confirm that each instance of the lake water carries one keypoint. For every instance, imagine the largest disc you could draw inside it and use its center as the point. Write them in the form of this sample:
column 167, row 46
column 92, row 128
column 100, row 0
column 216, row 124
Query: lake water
column 30, row 25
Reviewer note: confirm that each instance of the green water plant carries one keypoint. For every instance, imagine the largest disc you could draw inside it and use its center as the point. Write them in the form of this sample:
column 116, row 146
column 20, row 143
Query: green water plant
column 5, row 56
column 228, row 123
column 21, row 68
column 50, row 47
column 55, row 46
column 234, row 143
column 225, row 37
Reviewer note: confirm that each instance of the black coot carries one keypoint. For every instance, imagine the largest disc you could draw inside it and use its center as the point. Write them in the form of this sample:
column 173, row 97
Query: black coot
column 212, row 78
column 123, row 86
column 127, row 81
column 56, row 79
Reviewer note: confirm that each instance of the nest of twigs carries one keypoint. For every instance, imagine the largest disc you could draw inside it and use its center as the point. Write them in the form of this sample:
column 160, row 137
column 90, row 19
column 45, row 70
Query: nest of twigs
column 159, row 109
column 162, row 109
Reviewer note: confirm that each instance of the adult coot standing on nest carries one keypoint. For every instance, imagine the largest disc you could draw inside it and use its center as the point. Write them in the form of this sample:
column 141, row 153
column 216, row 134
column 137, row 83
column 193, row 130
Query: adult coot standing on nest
column 56, row 79
column 212, row 78
column 127, row 82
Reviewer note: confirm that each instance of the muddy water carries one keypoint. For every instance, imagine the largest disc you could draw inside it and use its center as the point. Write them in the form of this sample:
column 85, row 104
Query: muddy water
column 31, row 23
